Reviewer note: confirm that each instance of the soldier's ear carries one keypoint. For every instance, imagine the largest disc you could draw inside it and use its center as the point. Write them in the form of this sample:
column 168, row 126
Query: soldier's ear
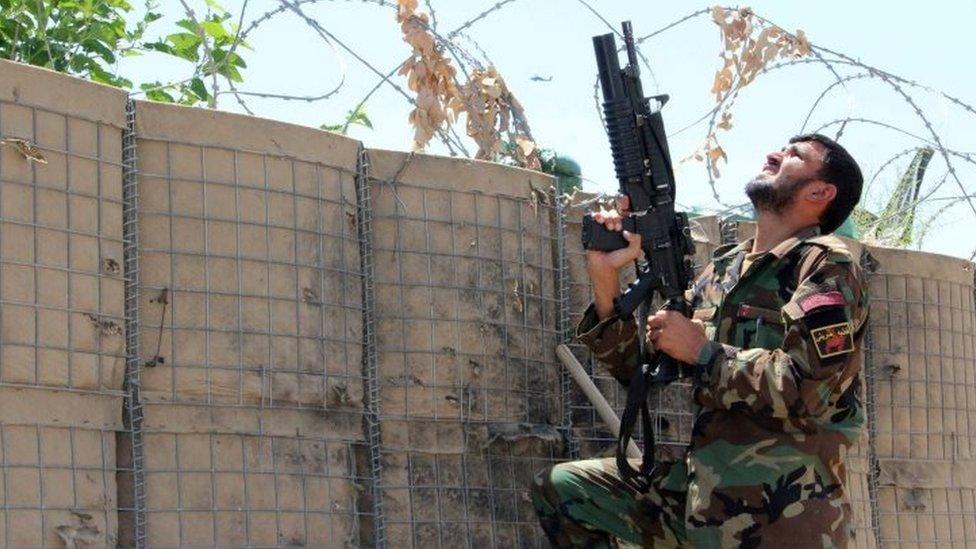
column 820, row 192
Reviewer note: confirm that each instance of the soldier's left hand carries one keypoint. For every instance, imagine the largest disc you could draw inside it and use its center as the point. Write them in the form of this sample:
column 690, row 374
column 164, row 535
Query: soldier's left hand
column 676, row 335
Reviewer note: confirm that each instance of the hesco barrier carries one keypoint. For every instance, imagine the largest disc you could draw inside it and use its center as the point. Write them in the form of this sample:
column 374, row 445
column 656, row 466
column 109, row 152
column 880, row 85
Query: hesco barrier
column 221, row 330
column 250, row 331
column 62, row 352
column 466, row 327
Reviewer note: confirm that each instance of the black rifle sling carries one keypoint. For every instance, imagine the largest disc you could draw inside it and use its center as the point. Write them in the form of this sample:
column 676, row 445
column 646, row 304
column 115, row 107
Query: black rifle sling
column 637, row 393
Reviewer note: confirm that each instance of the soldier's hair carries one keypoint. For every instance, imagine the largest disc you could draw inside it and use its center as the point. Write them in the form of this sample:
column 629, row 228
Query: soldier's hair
column 840, row 170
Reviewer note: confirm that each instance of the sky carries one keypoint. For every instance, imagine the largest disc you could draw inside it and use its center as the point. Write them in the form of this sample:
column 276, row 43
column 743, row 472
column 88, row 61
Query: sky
column 552, row 39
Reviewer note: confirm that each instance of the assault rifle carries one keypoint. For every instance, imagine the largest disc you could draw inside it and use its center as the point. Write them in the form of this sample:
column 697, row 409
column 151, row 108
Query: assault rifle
column 643, row 167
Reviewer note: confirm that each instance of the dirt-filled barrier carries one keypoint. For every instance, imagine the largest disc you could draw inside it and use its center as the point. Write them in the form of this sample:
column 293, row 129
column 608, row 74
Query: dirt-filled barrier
column 250, row 330
column 61, row 308
column 466, row 324
column 923, row 362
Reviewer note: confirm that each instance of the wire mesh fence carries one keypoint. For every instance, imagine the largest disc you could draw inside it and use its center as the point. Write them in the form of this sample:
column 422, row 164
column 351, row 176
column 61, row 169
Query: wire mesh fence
column 58, row 486
column 250, row 335
column 61, row 310
column 61, row 242
column 466, row 321
column 924, row 368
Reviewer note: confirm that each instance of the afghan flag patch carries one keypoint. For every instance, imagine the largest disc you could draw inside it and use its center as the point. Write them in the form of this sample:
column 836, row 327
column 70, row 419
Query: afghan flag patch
column 833, row 340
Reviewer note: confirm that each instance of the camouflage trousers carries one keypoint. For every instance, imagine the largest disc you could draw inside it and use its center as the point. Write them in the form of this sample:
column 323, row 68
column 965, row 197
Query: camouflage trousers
column 588, row 504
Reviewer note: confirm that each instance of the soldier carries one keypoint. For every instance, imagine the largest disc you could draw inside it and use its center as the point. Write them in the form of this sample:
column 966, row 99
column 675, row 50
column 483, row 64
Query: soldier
column 772, row 352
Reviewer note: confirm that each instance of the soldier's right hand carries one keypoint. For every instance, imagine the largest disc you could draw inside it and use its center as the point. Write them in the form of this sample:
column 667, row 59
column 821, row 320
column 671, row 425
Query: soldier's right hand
column 612, row 220
column 604, row 267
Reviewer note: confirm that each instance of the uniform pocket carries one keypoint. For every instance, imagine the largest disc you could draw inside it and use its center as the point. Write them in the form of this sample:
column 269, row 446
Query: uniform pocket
column 759, row 327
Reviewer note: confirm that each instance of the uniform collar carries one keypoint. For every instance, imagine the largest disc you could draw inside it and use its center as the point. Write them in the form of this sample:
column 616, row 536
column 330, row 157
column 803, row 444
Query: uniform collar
column 787, row 245
column 729, row 251
column 728, row 259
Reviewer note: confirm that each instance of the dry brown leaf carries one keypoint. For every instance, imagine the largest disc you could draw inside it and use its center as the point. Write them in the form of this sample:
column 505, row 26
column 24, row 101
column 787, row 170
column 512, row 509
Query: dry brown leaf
column 494, row 116
column 750, row 45
column 428, row 73
column 725, row 122
column 28, row 150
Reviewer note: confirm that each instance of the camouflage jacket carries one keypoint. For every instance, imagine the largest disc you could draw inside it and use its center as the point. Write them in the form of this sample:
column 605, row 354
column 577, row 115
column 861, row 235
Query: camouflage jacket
column 777, row 394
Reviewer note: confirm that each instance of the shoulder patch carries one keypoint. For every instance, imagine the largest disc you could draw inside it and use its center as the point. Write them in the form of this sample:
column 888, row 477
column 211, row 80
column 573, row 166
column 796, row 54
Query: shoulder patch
column 825, row 299
column 833, row 340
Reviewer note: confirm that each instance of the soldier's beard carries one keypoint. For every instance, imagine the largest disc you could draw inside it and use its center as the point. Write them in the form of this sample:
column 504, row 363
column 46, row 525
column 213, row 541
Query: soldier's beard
column 769, row 197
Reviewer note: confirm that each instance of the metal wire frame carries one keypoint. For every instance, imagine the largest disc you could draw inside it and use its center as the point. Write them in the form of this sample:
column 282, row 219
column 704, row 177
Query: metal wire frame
column 332, row 297
column 133, row 411
column 371, row 417
column 563, row 321
column 869, row 371
column 27, row 217
column 923, row 515
column 34, row 468
column 343, row 305
column 456, row 477
column 33, row 462
column 222, row 488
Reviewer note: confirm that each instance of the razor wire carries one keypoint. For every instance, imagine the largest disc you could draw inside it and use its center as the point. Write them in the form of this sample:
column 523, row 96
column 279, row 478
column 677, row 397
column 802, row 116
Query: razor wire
column 458, row 40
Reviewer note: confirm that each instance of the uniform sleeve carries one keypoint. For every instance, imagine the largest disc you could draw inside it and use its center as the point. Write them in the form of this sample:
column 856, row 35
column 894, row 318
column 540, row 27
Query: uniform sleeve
column 612, row 341
column 817, row 360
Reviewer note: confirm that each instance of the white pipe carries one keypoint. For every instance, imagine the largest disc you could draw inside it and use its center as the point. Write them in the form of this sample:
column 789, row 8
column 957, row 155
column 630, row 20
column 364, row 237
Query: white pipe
column 596, row 397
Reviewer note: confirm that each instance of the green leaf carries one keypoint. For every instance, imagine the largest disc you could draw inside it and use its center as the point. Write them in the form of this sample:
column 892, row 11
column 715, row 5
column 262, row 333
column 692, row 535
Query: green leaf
column 215, row 29
column 92, row 45
column 355, row 117
column 212, row 4
column 359, row 117
column 199, row 89
column 155, row 92
column 188, row 24
column 161, row 96
column 159, row 46
column 100, row 75
column 227, row 69
column 185, row 46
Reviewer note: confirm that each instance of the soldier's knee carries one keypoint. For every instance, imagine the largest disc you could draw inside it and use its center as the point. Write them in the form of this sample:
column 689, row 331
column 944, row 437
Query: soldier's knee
column 552, row 482
column 540, row 482
column 550, row 485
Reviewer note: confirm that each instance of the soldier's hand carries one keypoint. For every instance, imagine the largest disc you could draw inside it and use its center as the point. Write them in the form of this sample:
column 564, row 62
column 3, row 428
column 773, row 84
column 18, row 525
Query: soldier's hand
column 604, row 267
column 676, row 335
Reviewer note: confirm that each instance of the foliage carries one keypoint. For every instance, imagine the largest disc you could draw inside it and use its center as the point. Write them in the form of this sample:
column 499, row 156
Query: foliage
column 356, row 117
column 566, row 171
column 493, row 112
column 495, row 119
column 429, row 74
column 211, row 45
column 81, row 37
column 750, row 44
column 88, row 37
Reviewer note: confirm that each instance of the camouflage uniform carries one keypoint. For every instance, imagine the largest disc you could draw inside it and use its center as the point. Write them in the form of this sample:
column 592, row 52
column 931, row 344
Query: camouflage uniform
column 778, row 401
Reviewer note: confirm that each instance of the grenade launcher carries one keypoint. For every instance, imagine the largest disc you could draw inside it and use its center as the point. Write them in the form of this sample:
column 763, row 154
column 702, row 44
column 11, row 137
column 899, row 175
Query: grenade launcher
column 643, row 168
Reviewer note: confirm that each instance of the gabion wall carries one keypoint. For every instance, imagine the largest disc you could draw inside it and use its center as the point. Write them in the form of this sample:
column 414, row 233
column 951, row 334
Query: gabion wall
column 62, row 352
